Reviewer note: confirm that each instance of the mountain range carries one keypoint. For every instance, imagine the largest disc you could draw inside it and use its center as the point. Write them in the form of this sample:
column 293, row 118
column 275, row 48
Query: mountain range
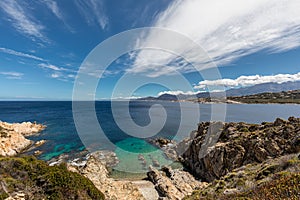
column 251, row 90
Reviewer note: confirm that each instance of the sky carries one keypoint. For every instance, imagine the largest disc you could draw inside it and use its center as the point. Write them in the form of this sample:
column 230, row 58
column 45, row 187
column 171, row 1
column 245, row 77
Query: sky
column 44, row 44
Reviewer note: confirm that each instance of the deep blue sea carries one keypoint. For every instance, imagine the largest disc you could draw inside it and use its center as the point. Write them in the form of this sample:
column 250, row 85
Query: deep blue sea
column 62, row 136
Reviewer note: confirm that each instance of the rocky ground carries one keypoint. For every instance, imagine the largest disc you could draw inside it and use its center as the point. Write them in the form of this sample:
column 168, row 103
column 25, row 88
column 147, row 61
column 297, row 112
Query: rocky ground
column 277, row 178
column 13, row 137
column 95, row 170
column 218, row 148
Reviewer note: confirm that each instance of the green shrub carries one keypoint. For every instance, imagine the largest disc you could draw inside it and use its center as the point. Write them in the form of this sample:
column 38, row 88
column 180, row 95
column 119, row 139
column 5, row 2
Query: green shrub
column 43, row 181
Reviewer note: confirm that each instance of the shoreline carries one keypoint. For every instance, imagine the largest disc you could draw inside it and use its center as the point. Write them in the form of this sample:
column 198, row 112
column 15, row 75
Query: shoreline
column 14, row 140
column 275, row 144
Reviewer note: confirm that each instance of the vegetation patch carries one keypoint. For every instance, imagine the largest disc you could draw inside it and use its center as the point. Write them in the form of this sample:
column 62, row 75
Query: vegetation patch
column 37, row 180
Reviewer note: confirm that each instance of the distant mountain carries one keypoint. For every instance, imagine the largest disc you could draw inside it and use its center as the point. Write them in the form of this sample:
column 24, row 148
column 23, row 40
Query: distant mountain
column 265, row 87
column 256, row 89
column 291, row 96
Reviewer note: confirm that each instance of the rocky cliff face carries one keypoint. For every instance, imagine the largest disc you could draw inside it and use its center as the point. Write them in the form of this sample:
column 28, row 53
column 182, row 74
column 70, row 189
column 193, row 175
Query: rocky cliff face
column 218, row 148
column 12, row 136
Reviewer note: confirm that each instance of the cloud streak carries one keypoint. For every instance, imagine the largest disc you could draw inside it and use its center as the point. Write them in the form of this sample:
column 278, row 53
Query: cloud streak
column 227, row 30
column 54, row 8
column 22, row 21
column 12, row 75
column 52, row 5
column 20, row 54
column 52, row 67
column 244, row 81
column 93, row 11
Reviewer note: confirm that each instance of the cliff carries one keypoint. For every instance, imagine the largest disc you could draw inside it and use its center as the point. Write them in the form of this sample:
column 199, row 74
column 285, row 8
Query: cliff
column 218, row 148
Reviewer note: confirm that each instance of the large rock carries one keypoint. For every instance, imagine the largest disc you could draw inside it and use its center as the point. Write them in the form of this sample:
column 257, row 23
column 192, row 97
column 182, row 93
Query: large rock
column 12, row 136
column 218, row 148
column 173, row 184
column 96, row 171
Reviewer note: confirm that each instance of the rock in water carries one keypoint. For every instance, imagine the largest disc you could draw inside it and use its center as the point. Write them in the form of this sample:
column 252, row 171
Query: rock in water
column 12, row 136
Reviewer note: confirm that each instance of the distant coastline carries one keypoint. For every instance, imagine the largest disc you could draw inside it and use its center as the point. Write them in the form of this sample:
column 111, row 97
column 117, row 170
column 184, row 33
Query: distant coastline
column 284, row 97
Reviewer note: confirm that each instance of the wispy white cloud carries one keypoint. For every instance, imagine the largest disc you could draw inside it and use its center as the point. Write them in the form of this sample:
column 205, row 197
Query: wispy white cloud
column 54, row 8
column 226, row 30
column 59, row 73
column 55, row 75
column 12, row 75
column 21, row 54
column 52, row 5
column 93, row 11
column 22, row 20
column 244, row 81
column 50, row 66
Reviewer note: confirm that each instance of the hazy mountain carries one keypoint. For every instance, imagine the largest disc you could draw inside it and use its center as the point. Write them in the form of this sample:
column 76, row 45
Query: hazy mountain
column 256, row 89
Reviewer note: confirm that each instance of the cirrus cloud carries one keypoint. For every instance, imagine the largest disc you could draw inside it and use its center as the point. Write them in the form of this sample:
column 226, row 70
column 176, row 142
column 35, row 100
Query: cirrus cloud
column 227, row 30
column 12, row 75
column 22, row 20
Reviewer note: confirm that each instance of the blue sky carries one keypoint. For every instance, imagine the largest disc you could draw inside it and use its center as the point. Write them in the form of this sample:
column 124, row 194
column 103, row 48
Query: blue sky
column 44, row 42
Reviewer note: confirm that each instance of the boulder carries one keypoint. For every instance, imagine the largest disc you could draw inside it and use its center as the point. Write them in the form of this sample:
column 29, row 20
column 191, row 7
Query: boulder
column 173, row 184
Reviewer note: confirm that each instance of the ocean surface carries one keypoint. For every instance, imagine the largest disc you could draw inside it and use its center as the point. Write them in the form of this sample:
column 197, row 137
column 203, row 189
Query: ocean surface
column 62, row 136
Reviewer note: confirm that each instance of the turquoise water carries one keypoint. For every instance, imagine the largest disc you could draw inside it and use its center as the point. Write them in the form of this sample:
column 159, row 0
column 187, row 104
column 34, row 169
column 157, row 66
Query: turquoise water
column 62, row 136
column 129, row 150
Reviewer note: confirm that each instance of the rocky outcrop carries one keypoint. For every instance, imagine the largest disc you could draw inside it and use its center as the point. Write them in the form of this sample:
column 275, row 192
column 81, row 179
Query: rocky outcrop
column 218, row 148
column 247, row 182
column 12, row 136
column 95, row 170
column 173, row 184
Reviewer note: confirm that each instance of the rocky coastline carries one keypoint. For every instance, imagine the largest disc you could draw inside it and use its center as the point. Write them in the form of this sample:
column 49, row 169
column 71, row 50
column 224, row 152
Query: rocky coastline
column 221, row 161
column 230, row 158
column 13, row 137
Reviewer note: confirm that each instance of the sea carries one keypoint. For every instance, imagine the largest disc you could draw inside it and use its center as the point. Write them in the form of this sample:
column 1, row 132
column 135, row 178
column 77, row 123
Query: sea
column 177, row 119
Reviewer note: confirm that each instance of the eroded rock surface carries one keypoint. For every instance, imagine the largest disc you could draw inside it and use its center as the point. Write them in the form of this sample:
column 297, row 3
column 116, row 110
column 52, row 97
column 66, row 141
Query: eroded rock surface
column 173, row 184
column 95, row 170
column 217, row 148
column 12, row 136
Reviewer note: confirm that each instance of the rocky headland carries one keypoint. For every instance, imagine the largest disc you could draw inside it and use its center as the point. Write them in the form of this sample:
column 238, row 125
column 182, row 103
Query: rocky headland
column 13, row 137
column 229, row 158
column 218, row 148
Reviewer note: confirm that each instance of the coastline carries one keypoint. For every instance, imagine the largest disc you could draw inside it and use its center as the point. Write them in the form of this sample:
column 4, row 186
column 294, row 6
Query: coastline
column 275, row 151
column 13, row 139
